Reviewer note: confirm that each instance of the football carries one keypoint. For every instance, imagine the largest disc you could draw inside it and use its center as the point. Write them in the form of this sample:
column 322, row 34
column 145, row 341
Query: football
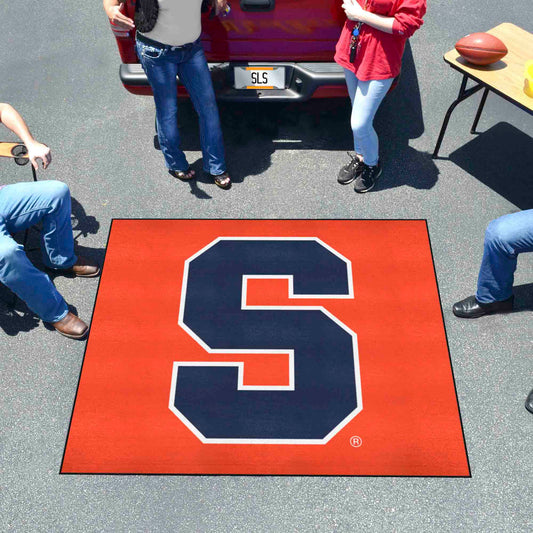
column 481, row 48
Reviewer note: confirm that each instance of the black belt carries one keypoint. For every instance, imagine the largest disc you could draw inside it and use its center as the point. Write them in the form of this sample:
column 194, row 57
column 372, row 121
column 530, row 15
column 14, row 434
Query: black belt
column 157, row 44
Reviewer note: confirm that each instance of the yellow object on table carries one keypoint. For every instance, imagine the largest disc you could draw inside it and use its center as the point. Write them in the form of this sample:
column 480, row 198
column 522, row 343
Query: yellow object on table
column 528, row 82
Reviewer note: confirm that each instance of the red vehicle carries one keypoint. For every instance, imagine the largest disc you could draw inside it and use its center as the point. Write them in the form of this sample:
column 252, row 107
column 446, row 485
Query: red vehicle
column 263, row 50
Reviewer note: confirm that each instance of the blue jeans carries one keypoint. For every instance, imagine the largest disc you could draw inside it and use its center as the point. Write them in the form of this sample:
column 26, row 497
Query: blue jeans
column 366, row 96
column 505, row 238
column 162, row 65
column 22, row 205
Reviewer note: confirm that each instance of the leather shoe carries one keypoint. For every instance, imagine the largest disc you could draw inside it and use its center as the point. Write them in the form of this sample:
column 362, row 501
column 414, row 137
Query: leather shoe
column 529, row 402
column 85, row 268
column 471, row 308
column 71, row 326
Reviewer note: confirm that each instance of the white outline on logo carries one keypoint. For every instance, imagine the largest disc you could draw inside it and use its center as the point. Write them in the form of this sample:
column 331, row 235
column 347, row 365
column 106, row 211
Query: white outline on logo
column 240, row 365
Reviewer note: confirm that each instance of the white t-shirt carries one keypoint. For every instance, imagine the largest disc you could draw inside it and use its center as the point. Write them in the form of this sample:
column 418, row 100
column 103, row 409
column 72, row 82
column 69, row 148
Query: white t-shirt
column 178, row 23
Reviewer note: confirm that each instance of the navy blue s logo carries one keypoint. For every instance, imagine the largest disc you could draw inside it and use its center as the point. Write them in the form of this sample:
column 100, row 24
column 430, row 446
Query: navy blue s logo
column 324, row 391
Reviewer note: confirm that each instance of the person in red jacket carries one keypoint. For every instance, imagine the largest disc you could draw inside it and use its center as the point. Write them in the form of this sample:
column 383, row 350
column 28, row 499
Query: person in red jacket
column 370, row 49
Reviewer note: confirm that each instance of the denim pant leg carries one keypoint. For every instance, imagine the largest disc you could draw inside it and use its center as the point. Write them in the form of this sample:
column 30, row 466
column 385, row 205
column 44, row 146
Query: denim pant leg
column 161, row 68
column 366, row 97
column 22, row 205
column 195, row 75
column 505, row 238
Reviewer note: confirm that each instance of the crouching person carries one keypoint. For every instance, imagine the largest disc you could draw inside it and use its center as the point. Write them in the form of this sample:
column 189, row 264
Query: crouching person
column 23, row 205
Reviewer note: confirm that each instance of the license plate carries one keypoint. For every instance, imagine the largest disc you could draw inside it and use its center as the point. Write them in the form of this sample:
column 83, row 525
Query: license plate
column 259, row 77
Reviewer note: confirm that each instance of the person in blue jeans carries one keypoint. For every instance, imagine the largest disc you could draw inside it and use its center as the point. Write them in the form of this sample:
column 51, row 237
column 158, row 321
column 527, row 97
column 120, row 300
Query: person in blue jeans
column 168, row 45
column 505, row 238
column 370, row 49
column 23, row 205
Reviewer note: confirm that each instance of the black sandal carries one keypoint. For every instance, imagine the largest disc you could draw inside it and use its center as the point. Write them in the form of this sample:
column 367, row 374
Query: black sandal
column 183, row 175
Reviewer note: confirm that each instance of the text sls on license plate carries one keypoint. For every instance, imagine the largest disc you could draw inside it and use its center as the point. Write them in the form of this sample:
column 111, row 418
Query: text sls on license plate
column 260, row 77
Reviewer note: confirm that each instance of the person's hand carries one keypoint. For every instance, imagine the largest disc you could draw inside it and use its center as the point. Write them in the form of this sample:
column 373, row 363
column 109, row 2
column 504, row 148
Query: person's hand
column 36, row 151
column 118, row 18
column 353, row 10
column 220, row 6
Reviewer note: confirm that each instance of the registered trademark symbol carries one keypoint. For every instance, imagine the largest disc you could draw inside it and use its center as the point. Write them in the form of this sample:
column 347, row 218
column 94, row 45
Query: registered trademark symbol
column 356, row 441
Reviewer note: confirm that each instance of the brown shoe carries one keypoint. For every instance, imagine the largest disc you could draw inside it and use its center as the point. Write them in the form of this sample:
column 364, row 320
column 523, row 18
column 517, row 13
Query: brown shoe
column 71, row 326
column 85, row 268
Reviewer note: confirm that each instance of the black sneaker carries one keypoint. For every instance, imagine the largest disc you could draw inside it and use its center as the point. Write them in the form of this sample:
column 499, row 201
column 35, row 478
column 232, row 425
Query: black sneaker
column 350, row 171
column 367, row 179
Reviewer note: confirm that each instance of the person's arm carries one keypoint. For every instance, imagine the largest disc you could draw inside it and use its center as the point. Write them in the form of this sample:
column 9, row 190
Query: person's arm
column 36, row 150
column 406, row 20
column 356, row 13
column 115, row 15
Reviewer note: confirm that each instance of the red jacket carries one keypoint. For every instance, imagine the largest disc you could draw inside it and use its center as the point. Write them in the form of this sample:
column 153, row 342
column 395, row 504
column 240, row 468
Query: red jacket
column 379, row 54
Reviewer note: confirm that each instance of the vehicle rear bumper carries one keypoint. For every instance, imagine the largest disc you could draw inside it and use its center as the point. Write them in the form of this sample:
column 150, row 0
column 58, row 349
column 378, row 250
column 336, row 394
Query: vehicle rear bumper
column 303, row 81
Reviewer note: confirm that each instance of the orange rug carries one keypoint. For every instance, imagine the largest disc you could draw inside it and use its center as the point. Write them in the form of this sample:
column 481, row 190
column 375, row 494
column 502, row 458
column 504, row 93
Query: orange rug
column 278, row 347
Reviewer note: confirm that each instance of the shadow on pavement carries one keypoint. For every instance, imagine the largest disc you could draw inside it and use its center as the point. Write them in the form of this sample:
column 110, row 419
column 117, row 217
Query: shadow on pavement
column 81, row 222
column 523, row 297
column 15, row 320
column 19, row 318
column 502, row 159
column 254, row 131
column 398, row 120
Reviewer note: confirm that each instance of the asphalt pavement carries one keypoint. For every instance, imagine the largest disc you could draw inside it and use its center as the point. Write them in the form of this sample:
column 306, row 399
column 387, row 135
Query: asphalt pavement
column 59, row 69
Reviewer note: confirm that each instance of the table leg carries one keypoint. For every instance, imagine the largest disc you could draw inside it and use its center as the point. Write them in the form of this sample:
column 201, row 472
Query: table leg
column 464, row 93
column 480, row 110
